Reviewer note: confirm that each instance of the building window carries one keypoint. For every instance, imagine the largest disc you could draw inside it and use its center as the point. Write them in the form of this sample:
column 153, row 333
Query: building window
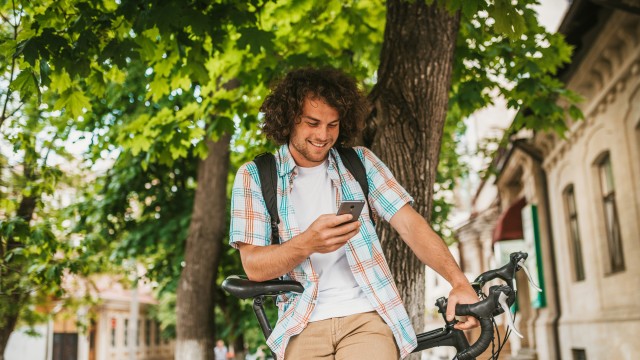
column 113, row 332
column 614, row 241
column 574, row 232
column 126, row 332
column 147, row 332
column 579, row 354
column 158, row 333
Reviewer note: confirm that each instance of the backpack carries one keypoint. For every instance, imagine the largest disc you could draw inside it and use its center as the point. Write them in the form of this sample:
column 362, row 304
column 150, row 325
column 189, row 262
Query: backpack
column 267, row 171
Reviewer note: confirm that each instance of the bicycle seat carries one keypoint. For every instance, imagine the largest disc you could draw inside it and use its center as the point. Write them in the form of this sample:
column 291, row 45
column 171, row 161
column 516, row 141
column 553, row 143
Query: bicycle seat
column 243, row 288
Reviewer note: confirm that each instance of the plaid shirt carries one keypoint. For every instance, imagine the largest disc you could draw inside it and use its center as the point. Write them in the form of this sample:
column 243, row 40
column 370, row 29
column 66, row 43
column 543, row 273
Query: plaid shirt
column 250, row 224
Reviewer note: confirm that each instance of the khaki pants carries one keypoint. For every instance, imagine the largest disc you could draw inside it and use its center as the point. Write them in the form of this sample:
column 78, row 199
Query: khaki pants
column 361, row 336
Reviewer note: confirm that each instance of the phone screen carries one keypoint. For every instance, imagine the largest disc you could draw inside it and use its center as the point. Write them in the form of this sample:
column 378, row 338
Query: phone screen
column 353, row 207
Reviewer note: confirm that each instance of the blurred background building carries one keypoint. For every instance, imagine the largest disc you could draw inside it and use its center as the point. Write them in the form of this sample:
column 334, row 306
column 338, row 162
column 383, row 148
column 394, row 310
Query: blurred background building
column 118, row 327
column 572, row 203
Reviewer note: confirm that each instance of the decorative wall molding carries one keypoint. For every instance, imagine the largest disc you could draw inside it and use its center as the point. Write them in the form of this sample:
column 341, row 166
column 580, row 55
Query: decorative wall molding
column 608, row 70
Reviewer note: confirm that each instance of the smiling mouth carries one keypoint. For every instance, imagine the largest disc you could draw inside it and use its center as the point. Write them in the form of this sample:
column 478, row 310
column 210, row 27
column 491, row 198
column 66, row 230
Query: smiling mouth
column 318, row 145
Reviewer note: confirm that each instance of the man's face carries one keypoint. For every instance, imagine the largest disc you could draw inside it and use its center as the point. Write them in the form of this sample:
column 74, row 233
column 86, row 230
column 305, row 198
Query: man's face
column 314, row 133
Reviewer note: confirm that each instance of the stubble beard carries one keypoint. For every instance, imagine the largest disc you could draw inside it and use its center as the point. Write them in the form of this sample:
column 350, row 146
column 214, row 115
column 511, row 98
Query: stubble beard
column 311, row 153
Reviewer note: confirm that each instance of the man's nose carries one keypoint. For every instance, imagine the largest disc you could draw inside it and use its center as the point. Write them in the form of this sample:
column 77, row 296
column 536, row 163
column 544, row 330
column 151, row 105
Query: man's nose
column 323, row 132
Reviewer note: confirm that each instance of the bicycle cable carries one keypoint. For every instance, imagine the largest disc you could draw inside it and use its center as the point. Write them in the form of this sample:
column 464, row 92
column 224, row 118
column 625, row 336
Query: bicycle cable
column 494, row 355
column 506, row 337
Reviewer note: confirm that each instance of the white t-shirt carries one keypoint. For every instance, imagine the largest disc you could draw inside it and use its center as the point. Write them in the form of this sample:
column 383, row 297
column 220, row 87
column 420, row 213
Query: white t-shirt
column 338, row 292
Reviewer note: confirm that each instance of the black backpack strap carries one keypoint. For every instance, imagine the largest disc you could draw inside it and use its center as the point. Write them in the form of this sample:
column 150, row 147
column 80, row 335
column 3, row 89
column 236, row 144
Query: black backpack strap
column 355, row 166
column 266, row 163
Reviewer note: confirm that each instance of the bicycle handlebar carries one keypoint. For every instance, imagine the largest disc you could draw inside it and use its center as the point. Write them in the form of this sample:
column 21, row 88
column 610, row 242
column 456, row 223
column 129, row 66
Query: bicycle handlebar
column 477, row 348
column 506, row 273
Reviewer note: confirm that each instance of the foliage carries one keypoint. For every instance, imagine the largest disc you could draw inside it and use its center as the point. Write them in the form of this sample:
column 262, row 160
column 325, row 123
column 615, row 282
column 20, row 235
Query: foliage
column 502, row 51
column 147, row 81
column 522, row 66
column 42, row 261
column 38, row 253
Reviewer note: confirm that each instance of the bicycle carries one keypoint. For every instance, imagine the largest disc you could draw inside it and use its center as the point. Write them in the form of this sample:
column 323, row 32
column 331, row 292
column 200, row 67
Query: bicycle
column 498, row 300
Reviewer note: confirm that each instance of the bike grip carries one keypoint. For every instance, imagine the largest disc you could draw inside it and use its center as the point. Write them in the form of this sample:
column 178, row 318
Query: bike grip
column 477, row 348
column 482, row 309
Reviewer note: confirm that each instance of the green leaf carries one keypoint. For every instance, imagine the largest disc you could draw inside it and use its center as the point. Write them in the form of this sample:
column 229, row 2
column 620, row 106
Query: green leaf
column 254, row 39
column 52, row 272
column 469, row 8
column 163, row 67
column 221, row 125
column 508, row 20
column 139, row 143
column 158, row 88
column 29, row 50
column 74, row 102
column 45, row 70
column 147, row 47
column 7, row 48
column 116, row 75
column 575, row 113
column 26, row 83
column 177, row 151
column 182, row 82
column 60, row 81
column 96, row 84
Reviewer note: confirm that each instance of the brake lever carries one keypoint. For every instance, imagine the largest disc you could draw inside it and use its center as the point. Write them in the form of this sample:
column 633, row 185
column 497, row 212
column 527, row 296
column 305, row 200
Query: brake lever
column 502, row 300
column 526, row 271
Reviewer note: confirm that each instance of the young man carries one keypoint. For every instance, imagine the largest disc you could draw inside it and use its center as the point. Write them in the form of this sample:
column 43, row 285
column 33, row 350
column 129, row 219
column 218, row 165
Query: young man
column 350, row 307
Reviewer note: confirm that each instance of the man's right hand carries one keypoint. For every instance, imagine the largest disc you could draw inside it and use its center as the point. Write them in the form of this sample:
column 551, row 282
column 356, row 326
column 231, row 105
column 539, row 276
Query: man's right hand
column 328, row 233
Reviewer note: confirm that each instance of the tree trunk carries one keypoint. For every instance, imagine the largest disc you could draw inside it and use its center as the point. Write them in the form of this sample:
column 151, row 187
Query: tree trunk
column 238, row 348
column 195, row 302
column 12, row 303
column 10, row 314
column 407, row 120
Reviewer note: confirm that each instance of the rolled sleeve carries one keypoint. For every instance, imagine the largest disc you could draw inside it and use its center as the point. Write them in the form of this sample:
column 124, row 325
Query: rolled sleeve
column 386, row 195
column 250, row 222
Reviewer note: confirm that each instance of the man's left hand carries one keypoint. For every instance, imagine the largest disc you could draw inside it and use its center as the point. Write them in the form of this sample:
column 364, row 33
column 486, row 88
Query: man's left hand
column 462, row 294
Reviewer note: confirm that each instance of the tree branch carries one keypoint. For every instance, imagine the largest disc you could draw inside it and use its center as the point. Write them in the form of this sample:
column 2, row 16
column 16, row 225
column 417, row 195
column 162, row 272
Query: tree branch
column 4, row 18
column 7, row 98
column 46, row 155
column 8, row 94
column 15, row 110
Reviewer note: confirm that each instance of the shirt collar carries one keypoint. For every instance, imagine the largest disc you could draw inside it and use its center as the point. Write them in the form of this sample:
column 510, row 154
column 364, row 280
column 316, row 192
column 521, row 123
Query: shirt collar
column 286, row 164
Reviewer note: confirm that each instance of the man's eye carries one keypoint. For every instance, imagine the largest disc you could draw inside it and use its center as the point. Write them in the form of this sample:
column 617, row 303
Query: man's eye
column 312, row 124
column 333, row 125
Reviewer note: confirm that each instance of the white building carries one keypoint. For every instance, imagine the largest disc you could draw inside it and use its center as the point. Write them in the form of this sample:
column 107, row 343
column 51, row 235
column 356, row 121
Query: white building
column 109, row 335
column 574, row 203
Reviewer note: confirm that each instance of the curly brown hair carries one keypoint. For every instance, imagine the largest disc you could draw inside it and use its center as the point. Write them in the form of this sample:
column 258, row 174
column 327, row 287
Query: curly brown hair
column 283, row 106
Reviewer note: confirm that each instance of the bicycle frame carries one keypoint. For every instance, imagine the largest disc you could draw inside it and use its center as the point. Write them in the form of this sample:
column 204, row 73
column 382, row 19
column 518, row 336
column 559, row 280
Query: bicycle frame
column 445, row 336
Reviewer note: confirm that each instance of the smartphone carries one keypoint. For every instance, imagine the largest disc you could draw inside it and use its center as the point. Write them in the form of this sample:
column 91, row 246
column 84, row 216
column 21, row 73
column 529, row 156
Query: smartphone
column 353, row 207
